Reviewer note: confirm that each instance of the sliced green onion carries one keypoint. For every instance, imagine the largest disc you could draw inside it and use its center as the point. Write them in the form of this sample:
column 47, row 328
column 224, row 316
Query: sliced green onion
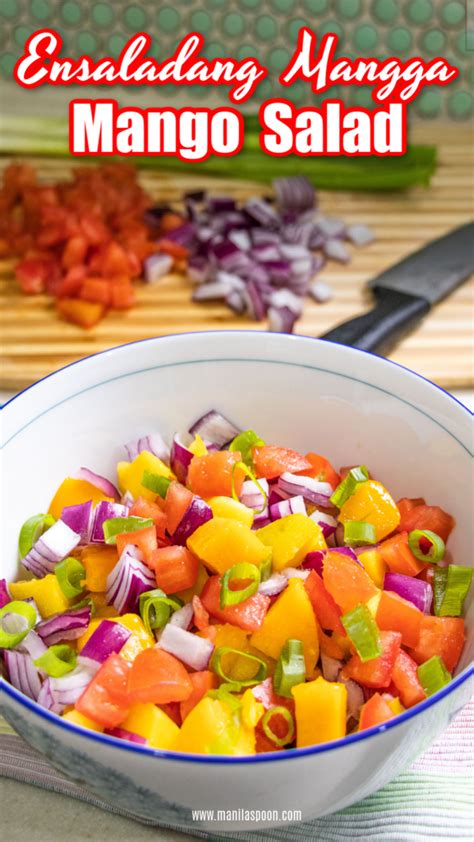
column 435, row 549
column 17, row 618
column 347, row 487
column 451, row 586
column 433, row 675
column 244, row 443
column 358, row 534
column 222, row 651
column 363, row 632
column 250, row 474
column 118, row 525
column 266, row 568
column 156, row 608
column 156, row 483
column 31, row 530
column 225, row 694
column 88, row 601
column 70, row 573
column 244, row 570
column 57, row 661
column 290, row 669
column 266, row 725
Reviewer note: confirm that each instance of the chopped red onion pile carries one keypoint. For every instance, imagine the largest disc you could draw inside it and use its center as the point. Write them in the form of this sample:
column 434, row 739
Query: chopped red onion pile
column 262, row 256
column 192, row 650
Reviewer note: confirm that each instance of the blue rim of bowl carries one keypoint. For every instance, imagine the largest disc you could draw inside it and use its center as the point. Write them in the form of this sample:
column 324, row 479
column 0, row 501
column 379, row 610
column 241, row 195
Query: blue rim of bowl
column 272, row 757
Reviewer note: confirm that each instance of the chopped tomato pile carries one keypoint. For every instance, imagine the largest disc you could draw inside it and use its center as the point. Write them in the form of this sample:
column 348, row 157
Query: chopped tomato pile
column 82, row 241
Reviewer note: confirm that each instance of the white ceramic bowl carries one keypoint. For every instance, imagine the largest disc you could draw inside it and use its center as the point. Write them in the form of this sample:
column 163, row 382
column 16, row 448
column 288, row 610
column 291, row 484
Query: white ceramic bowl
column 295, row 391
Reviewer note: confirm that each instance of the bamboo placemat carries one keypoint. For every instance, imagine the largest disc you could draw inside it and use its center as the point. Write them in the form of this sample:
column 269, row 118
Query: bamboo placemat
column 35, row 342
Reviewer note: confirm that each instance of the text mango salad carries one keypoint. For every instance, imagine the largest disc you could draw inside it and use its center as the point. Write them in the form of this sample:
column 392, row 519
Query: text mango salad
column 232, row 597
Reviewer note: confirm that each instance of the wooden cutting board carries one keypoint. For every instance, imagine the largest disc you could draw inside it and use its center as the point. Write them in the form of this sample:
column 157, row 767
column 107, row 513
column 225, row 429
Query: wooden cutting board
column 35, row 342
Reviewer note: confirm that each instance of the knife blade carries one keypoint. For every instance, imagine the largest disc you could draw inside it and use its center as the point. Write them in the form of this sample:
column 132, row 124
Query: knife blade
column 405, row 293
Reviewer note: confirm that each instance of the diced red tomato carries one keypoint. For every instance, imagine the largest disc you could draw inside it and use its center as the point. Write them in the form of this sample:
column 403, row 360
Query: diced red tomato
column 327, row 612
column 173, row 710
column 82, row 313
column 406, row 681
column 177, row 501
column 202, row 682
column 398, row 557
column 105, row 700
column 248, row 615
column 428, row 517
column 346, row 581
column 397, row 614
column 122, row 296
column 443, row 636
column 331, row 645
column 74, row 253
column 201, row 616
column 176, row 568
column 215, row 474
column 31, row 276
column 377, row 672
column 158, row 677
column 321, row 469
column 405, row 505
column 144, row 539
column 374, row 712
column 148, row 509
column 96, row 289
column 270, row 461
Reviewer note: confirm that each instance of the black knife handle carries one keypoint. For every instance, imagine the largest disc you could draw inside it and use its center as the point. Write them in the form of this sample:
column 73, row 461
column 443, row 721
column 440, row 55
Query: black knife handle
column 380, row 328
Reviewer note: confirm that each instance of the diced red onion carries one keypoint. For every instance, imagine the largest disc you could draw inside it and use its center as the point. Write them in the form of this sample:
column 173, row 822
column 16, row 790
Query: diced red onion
column 67, row 626
column 123, row 734
column 100, row 482
column 417, row 591
column 79, row 519
column 262, row 212
column 67, row 689
column 180, row 459
column 197, row 513
column 274, row 585
column 153, row 443
column 262, row 518
column 183, row 617
column 330, row 667
column 355, row 697
column 52, row 546
column 107, row 638
column 295, row 193
column 240, row 238
column 220, row 204
column 314, row 561
column 286, row 298
column 321, row 292
column 349, row 552
column 22, row 673
column 254, row 303
column 156, row 265
column 281, row 319
column 213, row 291
column 127, row 500
column 33, row 644
column 105, row 511
column 188, row 647
column 236, row 301
column 198, row 269
column 46, row 698
column 290, row 506
column 126, row 581
column 183, row 234
column 327, row 523
column 5, row 597
column 316, row 492
column 295, row 573
column 251, row 496
column 336, row 250
column 359, row 234
column 215, row 428
column 331, row 228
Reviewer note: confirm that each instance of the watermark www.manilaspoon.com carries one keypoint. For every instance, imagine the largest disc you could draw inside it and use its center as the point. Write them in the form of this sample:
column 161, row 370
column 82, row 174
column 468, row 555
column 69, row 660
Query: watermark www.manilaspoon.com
column 243, row 815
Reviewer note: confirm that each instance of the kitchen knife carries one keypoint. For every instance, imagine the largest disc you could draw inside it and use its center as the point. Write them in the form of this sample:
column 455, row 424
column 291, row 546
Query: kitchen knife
column 406, row 292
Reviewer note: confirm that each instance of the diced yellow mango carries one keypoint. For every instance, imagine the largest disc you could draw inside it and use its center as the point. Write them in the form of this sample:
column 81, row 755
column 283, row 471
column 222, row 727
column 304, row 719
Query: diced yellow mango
column 317, row 542
column 209, row 728
column 149, row 721
column 197, row 447
column 371, row 503
column 230, row 508
column 289, row 538
column 130, row 474
column 221, row 542
column 98, row 561
column 251, row 711
column 139, row 639
column 79, row 719
column 290, row 617
column 374, row 565
column 373, row 604
column 320, row 712
column 71, row 492
column 196, row 589
column 46, row 593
